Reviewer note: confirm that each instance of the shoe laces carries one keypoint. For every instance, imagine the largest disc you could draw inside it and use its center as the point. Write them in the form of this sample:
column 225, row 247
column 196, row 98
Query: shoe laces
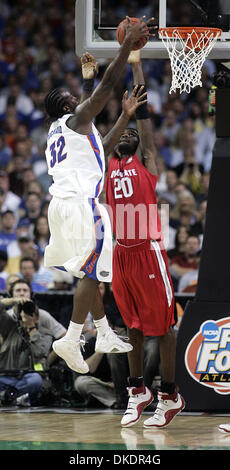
column 161, row 406
column 82, row 342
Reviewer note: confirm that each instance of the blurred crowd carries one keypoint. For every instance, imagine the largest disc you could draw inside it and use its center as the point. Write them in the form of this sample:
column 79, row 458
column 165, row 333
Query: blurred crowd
column 37, row 53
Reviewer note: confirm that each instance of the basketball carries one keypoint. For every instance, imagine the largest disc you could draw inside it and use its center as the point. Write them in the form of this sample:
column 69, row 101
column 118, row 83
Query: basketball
column 121, row 32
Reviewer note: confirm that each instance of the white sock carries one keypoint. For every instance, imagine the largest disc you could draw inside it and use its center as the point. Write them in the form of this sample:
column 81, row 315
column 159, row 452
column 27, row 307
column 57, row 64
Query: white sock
column 74, row 331
column 101, row 325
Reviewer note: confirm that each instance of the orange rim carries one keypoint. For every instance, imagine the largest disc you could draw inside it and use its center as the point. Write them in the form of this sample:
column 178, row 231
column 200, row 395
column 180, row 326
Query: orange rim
column 185, row 30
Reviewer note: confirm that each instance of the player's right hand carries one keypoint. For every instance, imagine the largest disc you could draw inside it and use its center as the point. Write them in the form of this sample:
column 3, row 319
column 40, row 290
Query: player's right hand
column 136, row 31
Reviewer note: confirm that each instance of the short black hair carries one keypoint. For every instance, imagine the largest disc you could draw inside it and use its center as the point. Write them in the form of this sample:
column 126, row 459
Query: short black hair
column 54, row 103
column 19, row 281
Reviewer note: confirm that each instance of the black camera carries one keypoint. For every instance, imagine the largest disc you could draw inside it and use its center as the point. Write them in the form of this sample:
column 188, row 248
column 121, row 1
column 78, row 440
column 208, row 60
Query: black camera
column 221, row 79
column 8, row 396
column 28, row 307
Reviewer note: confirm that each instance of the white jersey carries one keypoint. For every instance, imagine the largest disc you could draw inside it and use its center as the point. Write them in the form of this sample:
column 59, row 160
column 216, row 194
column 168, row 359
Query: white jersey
column 75, row 161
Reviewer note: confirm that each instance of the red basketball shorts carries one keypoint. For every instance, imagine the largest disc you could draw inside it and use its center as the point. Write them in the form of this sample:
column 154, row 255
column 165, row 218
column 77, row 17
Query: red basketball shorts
column 142, row 287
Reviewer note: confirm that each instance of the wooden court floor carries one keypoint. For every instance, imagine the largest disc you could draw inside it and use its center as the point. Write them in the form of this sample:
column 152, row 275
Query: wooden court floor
column 72, row 429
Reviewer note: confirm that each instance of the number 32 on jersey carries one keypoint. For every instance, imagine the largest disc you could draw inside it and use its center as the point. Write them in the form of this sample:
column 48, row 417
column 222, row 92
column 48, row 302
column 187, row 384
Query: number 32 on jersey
column 123, row 187
column 57, row 151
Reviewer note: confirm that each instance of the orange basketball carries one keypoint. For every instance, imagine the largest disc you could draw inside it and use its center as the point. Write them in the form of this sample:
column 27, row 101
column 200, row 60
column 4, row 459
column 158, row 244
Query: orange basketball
column 120, row 34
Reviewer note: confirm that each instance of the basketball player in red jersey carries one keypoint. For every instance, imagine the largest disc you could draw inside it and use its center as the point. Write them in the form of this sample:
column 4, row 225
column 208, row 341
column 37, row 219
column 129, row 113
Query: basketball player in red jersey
column 141, row 282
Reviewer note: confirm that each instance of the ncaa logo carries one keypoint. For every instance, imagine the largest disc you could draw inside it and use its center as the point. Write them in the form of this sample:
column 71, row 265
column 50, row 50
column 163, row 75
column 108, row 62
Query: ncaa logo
column 207, row 357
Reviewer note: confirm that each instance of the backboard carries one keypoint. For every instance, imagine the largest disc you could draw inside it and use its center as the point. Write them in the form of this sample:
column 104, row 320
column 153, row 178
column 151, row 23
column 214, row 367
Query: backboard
column 96, row 22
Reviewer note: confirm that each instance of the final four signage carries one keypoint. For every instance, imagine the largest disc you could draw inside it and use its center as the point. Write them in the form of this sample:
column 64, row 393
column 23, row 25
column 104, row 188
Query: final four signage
column 207, row 357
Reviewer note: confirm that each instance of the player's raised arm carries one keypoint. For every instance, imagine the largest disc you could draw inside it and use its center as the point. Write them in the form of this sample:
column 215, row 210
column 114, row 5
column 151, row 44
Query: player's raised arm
column 144, row 124
column 129, row 106
column 89, row 68
column 86, row 111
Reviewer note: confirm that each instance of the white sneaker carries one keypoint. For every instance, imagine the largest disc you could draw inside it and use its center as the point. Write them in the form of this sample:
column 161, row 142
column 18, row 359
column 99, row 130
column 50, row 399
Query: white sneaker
column 70, row 351
column 23, row 400
column 110, row 342
column 168, row 407
column 224, row 428
column 136, row 404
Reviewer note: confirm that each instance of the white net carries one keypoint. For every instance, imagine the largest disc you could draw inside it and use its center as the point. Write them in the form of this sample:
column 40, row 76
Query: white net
column 187, row 52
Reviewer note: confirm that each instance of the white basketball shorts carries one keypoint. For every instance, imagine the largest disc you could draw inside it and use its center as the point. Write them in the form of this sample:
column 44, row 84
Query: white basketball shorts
column 80, row 238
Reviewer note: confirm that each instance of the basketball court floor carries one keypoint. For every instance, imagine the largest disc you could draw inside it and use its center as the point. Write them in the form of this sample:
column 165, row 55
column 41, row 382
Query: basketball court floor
column 75, row 429
column 72, row 429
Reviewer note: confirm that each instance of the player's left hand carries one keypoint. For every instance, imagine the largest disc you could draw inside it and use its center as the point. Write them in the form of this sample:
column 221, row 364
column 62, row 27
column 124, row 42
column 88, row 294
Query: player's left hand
column 89, row 66
column 136, row 99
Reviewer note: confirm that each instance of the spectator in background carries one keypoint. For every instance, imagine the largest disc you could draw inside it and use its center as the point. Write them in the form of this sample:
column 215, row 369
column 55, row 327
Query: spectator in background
column 188, row 281
column 10, row 201
column 170, row 126
column 162, row 147
column 21, row 290
column 180, row 242
column 187, row 260
column 8, row 230
column 22, row 102
column 16, row 169
column 169, row 193
column 191, row 175
column 41, row 233
column 198, row 227
column 96, row 387
column 32, row 208
column 22, row 346
column 3, row 273
column 184, row 211
column 28, row 269
column 17, row 249
column 5, row 152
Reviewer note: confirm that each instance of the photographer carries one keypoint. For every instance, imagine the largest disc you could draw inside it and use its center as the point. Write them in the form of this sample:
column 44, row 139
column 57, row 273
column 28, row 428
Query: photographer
column 20, row 291
column 23, row 349
column 27, row 335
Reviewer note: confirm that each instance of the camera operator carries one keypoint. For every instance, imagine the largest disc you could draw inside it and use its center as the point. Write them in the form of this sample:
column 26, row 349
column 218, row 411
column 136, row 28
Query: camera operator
column 19, row 292
column 23, row 346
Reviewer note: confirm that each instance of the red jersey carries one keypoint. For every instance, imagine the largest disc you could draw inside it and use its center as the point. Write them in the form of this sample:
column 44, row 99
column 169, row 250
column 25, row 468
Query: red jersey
column 131, row 201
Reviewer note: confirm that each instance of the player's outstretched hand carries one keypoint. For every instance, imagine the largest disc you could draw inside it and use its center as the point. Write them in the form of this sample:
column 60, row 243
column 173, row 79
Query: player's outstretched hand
column 89, row 66
column 136, row 99
column 143, row 28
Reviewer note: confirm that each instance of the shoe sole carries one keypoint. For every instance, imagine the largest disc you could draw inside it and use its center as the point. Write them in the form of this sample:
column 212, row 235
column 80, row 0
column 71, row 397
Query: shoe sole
column 172, row 415
column 114, row 350
column 76, row 369
column 131, row 423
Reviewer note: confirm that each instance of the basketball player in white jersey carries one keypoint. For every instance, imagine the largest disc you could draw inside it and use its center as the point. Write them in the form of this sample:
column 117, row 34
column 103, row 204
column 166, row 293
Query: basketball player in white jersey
column 81, row 239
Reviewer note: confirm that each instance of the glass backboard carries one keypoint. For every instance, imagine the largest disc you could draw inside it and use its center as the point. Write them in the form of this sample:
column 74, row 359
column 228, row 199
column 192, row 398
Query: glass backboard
column 96, row 22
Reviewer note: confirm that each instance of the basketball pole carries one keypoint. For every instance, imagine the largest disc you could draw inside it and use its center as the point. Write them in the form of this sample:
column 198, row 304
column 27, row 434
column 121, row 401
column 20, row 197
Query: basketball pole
column 212, row 299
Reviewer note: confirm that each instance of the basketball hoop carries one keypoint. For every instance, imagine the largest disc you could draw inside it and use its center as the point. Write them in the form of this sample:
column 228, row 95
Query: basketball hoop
column 188, row 48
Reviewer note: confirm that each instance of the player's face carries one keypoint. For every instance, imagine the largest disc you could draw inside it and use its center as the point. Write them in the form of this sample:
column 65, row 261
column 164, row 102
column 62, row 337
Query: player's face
column 128, row 143
column 71, row 101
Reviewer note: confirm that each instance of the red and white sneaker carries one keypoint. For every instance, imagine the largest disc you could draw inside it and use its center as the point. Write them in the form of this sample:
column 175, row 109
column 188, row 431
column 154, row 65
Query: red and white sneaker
column 168, row 407
column 136, row 404
column 224, row 428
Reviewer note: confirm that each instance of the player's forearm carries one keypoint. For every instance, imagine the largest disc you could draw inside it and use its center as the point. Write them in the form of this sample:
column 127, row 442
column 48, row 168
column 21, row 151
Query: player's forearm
column 138, row 75
column 113, row 136
column 115, row 70
column 87, row 88
column 148, row 147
